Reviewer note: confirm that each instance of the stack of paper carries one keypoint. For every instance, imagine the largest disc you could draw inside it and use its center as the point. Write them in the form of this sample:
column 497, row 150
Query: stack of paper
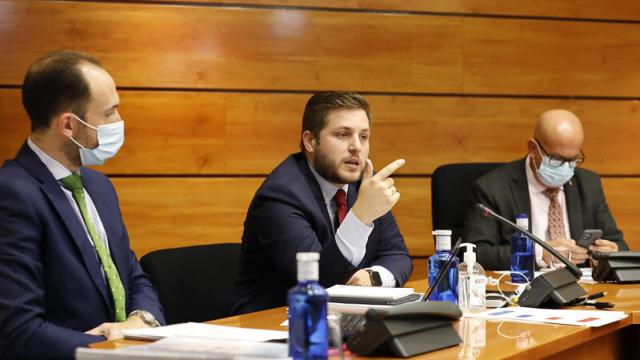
column 190, row 348
column 368, row 292
column 207, row 331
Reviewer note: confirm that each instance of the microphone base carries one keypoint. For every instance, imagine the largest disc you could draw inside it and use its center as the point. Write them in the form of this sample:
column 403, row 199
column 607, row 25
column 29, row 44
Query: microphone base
column 552, row 289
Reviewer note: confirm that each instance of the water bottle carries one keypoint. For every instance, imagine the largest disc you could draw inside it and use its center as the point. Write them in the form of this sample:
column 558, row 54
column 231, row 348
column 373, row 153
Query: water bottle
column 522, row 253
column 447, row 289
column 308, row 330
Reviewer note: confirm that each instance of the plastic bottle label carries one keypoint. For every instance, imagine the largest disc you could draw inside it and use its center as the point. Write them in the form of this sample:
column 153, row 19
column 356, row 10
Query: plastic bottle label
column 477, row 290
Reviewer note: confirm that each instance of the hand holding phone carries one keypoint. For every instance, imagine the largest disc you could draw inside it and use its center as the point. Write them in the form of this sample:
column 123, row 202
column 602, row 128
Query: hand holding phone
column 589, row 236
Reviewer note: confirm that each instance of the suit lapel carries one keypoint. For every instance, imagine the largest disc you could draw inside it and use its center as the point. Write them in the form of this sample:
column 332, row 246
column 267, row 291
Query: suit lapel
column 303, row 167
column 573, row 208
column 51, row 188
column 110, row 222
column 520, row 190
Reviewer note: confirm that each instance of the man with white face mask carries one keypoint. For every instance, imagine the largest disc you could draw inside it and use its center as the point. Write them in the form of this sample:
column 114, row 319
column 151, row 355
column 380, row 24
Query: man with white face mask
column 560, row 198
column 67, row 273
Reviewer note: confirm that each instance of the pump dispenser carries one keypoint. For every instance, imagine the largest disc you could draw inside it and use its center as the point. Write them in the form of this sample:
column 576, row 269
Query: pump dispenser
column 472, row 282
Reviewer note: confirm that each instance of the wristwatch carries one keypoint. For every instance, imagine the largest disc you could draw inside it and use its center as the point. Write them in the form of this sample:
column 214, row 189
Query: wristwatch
column 146, row 317
column 374, row 276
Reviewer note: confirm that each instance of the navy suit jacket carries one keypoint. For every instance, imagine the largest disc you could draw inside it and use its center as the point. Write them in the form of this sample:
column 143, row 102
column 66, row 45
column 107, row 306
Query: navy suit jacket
column 288, row 215
column 506, row 191
column 51, row 286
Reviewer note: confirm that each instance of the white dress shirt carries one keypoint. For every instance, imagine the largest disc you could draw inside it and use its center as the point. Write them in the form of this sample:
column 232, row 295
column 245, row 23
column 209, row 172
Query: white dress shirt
column 540, row 210
column 352, row 235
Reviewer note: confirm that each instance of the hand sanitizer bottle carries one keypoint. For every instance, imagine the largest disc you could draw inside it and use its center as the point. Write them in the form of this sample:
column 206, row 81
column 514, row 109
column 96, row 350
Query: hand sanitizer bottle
column 472, row 282
column 308, row 331
column 447, row 289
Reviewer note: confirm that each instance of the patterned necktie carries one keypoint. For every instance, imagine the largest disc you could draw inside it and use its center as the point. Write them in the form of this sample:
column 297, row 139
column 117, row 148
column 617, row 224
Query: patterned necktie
column 341, row 206
column 74, row 184
column 556, row 215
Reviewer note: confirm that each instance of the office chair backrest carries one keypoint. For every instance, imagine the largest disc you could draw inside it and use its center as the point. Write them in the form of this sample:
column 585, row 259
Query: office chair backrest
column 194, row 283
column 450, row 189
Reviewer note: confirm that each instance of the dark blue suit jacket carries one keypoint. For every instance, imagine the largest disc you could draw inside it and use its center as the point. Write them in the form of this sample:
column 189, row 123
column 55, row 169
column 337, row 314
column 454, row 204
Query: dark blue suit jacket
column 288, row 215
column 51, row 286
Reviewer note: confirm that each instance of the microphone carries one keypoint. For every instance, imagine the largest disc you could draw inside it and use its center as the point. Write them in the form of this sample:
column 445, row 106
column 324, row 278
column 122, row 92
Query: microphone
column 486, row 212
column 550, row 289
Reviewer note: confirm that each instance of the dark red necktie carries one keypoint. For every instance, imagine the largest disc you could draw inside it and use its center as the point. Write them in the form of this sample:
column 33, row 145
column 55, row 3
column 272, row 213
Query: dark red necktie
column 341, row 206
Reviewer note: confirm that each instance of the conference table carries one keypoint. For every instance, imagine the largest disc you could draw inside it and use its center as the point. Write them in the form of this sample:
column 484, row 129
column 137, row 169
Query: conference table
column 488, row 339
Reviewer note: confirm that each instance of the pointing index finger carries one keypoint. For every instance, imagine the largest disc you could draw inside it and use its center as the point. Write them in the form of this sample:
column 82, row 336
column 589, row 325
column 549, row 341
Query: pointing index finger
column 389, row 169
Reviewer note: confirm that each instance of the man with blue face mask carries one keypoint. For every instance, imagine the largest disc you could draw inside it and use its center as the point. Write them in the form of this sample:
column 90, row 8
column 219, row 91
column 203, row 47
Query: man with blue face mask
column 560, row 198
column 67, row 273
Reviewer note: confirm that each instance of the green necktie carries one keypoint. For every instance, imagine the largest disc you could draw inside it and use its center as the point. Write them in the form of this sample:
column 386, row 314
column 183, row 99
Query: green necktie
column 74, row 184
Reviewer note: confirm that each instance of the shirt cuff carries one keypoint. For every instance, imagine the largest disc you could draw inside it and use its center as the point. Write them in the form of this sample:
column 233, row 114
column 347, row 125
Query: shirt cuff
column 538, row 255
column 352, row 237
column 388, row 280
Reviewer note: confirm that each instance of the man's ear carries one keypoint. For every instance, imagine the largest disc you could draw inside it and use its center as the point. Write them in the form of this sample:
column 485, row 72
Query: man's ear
column 309, row 141
column 63, row 123
column 534, row 152
column 531, row 146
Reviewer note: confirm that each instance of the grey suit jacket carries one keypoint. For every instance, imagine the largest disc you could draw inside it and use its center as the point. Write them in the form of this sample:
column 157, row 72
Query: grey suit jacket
column 505, row 190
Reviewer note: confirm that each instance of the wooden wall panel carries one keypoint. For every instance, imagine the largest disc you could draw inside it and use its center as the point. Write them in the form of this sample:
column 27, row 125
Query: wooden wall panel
column 162, row 213
column 213, row 92
column 623, row 197
column 506, row 56
column 590, row 9
column 168, row 212
column 250, row 133
column 214, row 47
column 205, row 47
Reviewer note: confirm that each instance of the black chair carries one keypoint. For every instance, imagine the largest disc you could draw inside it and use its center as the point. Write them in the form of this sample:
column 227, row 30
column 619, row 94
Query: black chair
column 450, row 189
column 194, row 283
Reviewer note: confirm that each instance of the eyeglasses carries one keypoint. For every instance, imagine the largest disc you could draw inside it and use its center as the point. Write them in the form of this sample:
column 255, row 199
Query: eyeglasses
column 558, row 161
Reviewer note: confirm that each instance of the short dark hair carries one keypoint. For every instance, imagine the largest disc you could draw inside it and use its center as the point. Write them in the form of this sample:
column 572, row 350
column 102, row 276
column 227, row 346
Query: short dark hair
column 54, row 84
column 321, row 103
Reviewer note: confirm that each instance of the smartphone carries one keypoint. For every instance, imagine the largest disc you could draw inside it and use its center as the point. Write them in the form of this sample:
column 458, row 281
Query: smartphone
column 589, row 236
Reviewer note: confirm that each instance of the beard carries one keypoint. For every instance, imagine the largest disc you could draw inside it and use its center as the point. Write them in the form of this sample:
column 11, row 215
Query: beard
column 328, row 169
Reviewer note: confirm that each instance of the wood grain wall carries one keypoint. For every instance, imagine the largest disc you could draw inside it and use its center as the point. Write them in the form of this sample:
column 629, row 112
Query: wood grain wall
column 213, row 91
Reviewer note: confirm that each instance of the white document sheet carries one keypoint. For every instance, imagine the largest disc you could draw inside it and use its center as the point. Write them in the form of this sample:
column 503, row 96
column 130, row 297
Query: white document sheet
column 590, row 318
column 368, row 292
column 190, row 348
column 207, row 331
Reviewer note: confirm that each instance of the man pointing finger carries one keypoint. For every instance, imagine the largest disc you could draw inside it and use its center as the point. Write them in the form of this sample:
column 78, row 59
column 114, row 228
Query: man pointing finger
column 324, row 199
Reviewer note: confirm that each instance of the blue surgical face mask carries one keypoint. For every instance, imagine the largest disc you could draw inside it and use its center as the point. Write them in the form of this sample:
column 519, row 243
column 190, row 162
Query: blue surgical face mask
column 110, row 140
column 553, row 176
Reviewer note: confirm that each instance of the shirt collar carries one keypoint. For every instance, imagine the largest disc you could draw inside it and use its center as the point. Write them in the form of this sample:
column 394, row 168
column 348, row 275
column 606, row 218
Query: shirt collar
column 328, row 189
column 535, row 186
column 58, row 170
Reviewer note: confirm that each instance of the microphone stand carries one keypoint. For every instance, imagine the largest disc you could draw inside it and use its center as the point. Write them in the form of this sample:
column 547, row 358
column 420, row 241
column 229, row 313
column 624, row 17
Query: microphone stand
column 554, row 288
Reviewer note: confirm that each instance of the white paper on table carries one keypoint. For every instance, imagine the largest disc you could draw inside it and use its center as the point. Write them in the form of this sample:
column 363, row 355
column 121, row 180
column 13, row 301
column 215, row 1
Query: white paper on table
column 190, row 348
column 368, row 292
column 207, row 331
column 589, row 318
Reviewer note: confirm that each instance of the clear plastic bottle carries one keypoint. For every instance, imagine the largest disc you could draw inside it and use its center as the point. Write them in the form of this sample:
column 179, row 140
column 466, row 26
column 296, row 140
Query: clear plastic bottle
column 522, row 253
column 447, row 289
column 308, row 331
column 472, row 283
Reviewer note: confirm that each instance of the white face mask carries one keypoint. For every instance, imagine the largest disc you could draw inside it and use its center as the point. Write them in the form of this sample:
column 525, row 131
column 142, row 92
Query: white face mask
column 553, row 176
column 110, row 140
